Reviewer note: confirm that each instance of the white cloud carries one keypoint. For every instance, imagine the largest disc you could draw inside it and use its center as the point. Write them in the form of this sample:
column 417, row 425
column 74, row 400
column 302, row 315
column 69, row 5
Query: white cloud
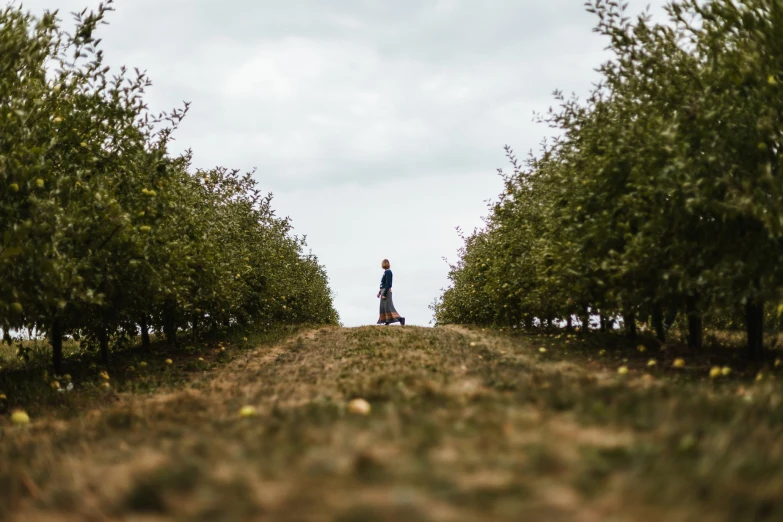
column 340, row 104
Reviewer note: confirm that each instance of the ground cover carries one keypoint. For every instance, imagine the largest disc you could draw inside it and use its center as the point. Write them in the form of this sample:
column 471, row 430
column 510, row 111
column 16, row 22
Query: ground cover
column 465, row 424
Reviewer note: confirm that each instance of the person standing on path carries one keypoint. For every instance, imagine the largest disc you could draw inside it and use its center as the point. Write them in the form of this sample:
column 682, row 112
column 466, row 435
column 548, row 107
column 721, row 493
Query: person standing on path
column 388, row 313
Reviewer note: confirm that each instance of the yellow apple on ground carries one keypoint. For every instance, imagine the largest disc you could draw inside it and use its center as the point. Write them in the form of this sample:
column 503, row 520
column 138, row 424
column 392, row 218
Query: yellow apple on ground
column 247, row 411
column 359, row 407
column 20, row 418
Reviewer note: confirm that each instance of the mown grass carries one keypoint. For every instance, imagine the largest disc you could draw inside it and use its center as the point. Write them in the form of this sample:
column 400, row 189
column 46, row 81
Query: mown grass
column 465, row 425
column 28, row 383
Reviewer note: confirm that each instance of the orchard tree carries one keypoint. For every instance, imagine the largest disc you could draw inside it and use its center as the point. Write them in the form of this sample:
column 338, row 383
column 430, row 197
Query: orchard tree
column 662, row 191
column 102, row 232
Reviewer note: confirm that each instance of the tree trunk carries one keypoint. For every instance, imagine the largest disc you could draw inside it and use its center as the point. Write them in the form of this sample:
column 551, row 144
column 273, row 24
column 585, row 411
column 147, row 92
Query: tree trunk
column 657, row 322
column 169, row 326
column 586, row 321
column 528, row 322
column 695, row 340
column 629, row 319
column 195, row 327
column 754, row 324
column 569, row 323
column 145, row 333
column 103, row 337
column 604, row 322
column 694, row 332
column 56, row 339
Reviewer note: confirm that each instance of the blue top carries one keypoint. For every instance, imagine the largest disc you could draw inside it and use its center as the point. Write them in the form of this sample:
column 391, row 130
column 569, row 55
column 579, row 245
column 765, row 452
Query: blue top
column 386, row 280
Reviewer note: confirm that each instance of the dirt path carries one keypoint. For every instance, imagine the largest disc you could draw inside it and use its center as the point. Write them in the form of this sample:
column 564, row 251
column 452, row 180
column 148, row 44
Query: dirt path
column 464, row 426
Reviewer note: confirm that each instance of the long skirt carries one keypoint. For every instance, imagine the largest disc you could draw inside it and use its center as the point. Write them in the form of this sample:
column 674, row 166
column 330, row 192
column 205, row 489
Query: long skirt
column 388, row 313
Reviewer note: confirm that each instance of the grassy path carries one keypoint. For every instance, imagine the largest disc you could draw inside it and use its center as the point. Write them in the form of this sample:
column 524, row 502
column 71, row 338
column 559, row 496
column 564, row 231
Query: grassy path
column 465, row 425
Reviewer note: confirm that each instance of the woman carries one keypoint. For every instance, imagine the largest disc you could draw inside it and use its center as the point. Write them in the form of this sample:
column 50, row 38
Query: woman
column 388, row 313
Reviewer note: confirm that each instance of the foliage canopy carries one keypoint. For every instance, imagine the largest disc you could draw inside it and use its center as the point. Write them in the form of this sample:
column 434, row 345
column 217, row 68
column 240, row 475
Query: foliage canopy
column 103, row 232
column 662, row 191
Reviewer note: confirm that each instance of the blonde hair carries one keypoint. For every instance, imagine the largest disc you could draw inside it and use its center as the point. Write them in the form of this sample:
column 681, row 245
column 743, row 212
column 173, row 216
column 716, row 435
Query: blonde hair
column 385, row 264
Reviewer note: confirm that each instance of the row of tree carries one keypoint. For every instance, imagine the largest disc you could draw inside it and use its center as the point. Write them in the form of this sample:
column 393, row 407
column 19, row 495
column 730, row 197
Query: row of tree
column 102, row 231
column 662, row 193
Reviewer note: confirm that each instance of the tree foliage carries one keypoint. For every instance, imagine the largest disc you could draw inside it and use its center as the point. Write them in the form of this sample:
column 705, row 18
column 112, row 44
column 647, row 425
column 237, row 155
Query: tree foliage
column 662, row 191
column 102, row 231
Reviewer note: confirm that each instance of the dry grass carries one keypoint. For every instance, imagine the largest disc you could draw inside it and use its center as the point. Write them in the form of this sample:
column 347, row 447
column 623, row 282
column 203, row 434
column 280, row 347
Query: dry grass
column 38, row 350
column 465, row 425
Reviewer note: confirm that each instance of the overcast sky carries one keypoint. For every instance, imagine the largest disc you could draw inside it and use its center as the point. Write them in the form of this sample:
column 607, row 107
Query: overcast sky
column 377, row 124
